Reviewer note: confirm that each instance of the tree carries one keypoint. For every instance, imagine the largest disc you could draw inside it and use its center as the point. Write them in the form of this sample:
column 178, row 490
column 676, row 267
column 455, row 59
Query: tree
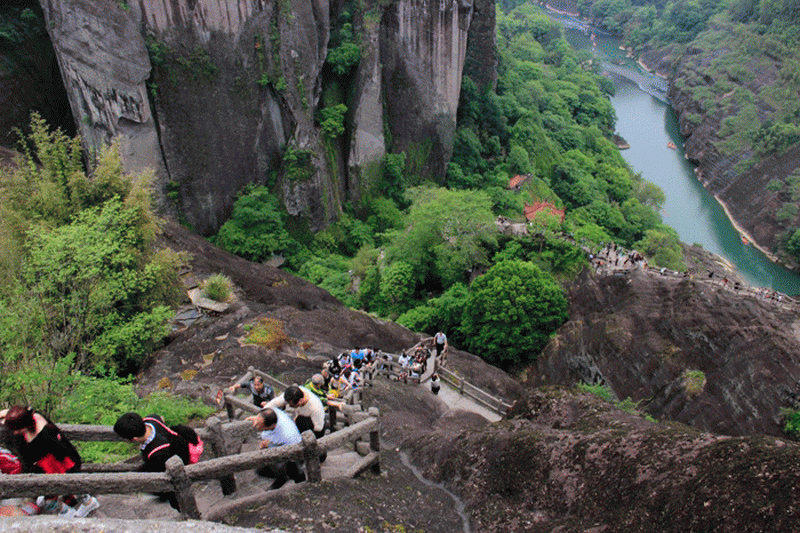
column 397, row 287
column 663, row 247
column 332, row 120
column 449, row 234
column 511, row 312
column 255, row 230
column 793, row 245
column 439, row 314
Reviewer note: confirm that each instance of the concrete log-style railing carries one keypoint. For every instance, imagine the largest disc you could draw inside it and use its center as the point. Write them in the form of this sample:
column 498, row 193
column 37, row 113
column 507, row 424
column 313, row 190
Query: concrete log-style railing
column 21, row 485
column 216, row 436
column 468, row 389
column 179, row 477
column 395, row 369
column 351, row 403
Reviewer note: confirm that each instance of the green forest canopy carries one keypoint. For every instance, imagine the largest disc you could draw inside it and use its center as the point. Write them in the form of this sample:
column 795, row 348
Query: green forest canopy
column 412, row 250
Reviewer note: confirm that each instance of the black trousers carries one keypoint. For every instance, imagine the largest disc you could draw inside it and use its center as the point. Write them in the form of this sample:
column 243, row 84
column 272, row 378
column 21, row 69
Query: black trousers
column 304, row 423
column 282, row 472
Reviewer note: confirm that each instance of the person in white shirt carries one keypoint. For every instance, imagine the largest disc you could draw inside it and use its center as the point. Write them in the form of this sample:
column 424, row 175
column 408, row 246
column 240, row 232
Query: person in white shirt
column 304, row 406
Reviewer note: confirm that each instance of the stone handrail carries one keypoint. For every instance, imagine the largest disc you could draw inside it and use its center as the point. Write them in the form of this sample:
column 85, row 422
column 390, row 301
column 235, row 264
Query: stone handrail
column 480, row 396
column 179, row 477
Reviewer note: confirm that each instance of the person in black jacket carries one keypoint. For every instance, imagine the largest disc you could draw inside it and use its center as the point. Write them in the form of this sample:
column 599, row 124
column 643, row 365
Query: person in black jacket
column 43, row 449
column 158, row 443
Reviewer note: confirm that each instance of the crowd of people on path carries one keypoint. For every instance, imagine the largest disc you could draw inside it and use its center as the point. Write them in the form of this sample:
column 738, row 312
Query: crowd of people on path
column 37, row 445
column 612, row 257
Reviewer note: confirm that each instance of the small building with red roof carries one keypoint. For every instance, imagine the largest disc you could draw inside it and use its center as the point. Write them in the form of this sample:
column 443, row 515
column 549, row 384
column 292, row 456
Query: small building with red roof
column 532, row 210
column 515, row 183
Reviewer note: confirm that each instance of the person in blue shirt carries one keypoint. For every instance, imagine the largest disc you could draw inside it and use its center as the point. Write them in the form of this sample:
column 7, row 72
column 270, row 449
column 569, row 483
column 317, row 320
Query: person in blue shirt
column 275, row 429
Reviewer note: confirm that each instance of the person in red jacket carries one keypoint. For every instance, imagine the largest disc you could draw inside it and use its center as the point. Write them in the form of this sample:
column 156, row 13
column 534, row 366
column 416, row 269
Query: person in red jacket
column 45, row 450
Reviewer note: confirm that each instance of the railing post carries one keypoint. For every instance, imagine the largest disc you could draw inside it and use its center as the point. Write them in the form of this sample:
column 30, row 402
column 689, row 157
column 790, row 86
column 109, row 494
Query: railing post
column 229, row 409
column 187, row 504
column 220, row 449
column 375, row 439
column 313, row 468
column 332, row 417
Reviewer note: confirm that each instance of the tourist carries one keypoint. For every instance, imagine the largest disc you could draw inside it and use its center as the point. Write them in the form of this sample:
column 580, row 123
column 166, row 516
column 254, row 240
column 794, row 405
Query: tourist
column 158, row 443
column 304, row 406
column 44, row 449
column 440, row 342
column 277, row 429
column 435, row 383
column 262, row 393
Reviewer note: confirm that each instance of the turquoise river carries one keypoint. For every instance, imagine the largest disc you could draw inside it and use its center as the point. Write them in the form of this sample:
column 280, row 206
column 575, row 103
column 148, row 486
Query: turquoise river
column 647, row 122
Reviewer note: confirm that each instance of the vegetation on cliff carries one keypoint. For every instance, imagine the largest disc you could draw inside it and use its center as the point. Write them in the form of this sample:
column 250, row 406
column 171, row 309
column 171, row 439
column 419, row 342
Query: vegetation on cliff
column 410, row 250
column 84, row 291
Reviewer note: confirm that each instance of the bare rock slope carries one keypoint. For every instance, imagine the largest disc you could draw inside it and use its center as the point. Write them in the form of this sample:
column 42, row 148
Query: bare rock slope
column 647, row 336
column 572, row 463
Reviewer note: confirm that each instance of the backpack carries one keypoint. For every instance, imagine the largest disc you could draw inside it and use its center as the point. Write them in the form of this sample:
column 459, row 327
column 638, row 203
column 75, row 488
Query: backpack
column 193, row 440
column 188, row 434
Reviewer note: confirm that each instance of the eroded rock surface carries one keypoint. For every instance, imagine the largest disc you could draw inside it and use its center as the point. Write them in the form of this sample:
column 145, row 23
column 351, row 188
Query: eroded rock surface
column 211, row 94
column 641, row 334
column 569, row 463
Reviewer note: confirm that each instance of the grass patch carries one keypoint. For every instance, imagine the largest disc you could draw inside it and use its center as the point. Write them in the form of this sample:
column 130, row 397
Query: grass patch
column 268, row 333
column 694, row 381
column 605, row 393
column 218, row 287
column 601, row 391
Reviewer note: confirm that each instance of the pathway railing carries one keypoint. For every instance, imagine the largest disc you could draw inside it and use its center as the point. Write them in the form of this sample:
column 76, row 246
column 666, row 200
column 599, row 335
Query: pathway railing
column 179, row 478
column 478, row 395
column 393, row 369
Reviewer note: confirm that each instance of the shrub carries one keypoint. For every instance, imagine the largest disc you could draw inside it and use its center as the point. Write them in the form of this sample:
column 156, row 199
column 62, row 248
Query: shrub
column 694, row 381
column 787, row 212
column 268, row 333
column 601, row 391
column 332, row 120
column 791, row 423
column 256, row 228
column 218, row 287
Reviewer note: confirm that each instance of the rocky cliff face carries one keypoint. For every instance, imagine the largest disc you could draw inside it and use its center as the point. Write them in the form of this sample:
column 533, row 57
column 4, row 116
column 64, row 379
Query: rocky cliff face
column 570, row 463
column 721, row 162
column 29, row 74
column 643, row 336
column 423, row 45
column 216, row 94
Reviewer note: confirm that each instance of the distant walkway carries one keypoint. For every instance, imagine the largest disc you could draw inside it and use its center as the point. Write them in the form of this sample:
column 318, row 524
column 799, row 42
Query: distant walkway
column 615, row 260
column 457, row 393
column 611, row 260
column 456, row 401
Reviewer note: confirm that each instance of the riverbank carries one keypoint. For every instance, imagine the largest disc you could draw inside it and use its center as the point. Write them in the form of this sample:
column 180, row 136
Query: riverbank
column 745, row 234
column 561, row 12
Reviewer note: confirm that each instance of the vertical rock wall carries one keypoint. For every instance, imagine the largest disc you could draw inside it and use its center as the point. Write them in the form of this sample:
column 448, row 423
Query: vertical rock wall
column 480, row 63
column 368, row 145
column 104, row 65
column 423, row 45
column 213, row 94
